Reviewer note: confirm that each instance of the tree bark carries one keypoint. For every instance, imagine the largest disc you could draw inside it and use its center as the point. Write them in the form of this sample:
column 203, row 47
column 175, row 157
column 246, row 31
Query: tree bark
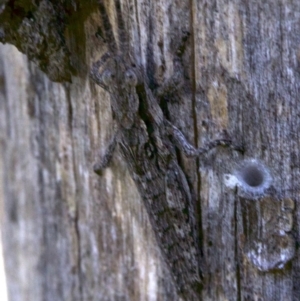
column 69, row 234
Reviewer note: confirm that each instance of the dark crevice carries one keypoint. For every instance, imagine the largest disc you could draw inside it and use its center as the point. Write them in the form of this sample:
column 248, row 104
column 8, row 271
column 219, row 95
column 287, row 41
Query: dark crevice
column 150, row 68
column 143, row 110
column 196, row 133
column 236, row 251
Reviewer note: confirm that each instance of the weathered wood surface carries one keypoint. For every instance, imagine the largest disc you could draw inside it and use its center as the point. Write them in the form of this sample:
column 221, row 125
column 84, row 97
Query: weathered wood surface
column 71, row 235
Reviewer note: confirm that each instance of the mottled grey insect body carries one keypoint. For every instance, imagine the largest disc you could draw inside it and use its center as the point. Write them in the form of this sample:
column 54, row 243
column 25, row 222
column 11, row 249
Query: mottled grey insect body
column 144, row 137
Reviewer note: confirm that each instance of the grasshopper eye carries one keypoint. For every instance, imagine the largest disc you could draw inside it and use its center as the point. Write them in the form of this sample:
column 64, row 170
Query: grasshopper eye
column 131, row 78
column 108, row 77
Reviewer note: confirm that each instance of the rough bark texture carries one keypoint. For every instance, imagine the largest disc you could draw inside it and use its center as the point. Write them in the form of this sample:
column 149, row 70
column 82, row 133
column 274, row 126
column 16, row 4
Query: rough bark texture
column 69, row 234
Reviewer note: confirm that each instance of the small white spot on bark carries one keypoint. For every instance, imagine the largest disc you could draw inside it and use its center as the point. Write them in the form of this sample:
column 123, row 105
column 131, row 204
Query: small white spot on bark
column 230, row 181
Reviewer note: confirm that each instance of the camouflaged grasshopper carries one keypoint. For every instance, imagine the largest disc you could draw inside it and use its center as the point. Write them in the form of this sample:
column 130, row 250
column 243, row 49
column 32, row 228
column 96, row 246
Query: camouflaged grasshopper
column 148, row 141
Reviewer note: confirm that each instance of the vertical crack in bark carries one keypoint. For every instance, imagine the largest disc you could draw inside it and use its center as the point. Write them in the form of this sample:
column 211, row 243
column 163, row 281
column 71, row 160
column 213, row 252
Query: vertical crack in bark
column 76, row 216
column 108, row 30
column 236, row 251
column 196, row 133
column 138, row 27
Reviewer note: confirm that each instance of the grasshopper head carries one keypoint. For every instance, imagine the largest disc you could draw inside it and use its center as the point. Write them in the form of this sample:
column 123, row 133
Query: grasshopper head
column 121, row 81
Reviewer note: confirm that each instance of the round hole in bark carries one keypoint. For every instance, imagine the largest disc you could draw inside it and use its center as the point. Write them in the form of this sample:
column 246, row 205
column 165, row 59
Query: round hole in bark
column 252, row 175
